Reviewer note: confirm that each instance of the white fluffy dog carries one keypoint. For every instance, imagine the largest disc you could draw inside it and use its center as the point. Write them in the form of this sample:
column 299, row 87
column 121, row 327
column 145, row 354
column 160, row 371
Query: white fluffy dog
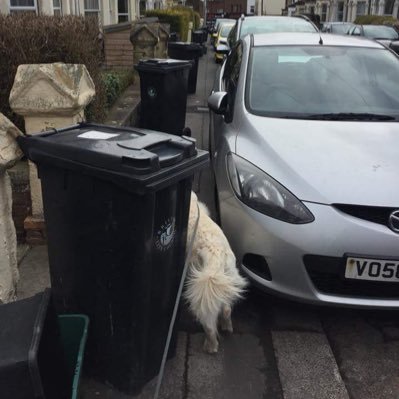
column 213, row 282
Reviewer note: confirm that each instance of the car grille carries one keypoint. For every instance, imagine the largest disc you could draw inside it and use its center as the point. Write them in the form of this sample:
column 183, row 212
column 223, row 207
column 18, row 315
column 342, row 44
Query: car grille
column 376, row 214
column 327, row 272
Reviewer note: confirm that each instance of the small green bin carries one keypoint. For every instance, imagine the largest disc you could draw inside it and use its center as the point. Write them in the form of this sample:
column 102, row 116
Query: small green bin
column 74, row 329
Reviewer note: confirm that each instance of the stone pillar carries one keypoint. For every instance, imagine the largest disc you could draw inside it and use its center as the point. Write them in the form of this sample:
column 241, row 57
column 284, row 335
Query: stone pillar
column 190, row 32
column 381, row 7
column 395, row 9
column 48, row 96
column 4, row 7
column 9, row 154
column 333, row 11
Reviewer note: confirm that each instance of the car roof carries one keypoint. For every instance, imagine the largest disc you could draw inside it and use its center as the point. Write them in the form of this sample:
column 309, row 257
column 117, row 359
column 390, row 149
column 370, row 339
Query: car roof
column 340, row 23
column 271, row 17
column 299, row 38
column 376, row 25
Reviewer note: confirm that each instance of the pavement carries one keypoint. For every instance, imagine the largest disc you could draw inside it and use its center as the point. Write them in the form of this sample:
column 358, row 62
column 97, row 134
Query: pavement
column 279, row 349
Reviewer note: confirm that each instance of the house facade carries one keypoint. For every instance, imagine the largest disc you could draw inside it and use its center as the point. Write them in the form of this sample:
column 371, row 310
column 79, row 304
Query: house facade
column 270, row 7
column 109, row 12
column 344, row 10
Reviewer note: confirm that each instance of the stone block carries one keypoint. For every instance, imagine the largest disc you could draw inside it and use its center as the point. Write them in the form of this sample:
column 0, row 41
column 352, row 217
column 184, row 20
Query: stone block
column 51, row 90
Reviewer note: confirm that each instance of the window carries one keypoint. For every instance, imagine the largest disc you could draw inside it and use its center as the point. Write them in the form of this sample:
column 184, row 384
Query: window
column 340, row 12
column 361, row 8
column 123, row 11
column 23, row 5
column 57, row 7
column 324, row 12
column 389, row 7
column 92, row 8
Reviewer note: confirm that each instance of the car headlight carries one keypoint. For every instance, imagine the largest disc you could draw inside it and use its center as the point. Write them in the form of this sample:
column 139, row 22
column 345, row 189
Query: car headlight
column 264, row 194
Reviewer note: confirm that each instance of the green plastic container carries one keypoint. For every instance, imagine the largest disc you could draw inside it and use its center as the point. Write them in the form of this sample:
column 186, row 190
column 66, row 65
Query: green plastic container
column 74, row 329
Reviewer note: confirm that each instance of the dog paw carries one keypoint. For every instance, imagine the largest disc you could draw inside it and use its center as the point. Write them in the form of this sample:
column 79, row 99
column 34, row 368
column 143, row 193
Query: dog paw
column 211, row 347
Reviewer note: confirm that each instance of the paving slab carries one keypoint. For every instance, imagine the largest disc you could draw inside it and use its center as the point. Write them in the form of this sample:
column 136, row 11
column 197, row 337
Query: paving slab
column 34, row 272
column 173, row 385
column 295, row 317
column 307, row 366
column 368, row 362
column 235, row 372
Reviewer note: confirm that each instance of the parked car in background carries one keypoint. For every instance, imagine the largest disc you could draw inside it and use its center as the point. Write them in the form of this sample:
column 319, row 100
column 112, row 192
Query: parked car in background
column 218, row 23
column 304, row 138
column 221, row 47
column 337, row 28
column 268, row 24
column 386, row 35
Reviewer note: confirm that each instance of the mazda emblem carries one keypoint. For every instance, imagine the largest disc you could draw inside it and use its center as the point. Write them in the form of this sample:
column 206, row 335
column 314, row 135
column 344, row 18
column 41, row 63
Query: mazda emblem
column 393, row 221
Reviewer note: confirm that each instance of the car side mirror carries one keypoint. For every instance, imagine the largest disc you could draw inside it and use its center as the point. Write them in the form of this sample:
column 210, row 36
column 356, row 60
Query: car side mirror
column 217, row 102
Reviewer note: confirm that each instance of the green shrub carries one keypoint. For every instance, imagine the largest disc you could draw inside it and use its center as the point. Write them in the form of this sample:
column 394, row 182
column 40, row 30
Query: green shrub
column 178, row 18
column 376, row 20
column 31, row 39
column 115, row 83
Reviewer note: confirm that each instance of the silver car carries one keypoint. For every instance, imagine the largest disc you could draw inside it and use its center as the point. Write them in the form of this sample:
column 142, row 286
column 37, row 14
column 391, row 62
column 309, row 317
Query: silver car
column 304, row 143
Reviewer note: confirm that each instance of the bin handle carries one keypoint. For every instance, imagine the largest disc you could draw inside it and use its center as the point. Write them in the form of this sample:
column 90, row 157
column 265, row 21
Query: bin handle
column 173, row 319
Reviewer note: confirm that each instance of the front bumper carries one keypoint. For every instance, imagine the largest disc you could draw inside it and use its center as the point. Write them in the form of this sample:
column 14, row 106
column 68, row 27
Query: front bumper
column 287, row 247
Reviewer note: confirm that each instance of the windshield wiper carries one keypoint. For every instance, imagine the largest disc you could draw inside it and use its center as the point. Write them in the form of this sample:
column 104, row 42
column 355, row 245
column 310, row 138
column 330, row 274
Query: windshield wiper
column 351, row 116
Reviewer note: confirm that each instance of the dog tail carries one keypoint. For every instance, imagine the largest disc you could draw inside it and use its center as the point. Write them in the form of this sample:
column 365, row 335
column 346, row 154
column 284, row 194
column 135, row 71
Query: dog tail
column 210, row 287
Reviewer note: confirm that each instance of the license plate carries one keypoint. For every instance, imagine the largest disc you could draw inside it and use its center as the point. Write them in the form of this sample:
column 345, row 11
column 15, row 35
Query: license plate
column 372, row 269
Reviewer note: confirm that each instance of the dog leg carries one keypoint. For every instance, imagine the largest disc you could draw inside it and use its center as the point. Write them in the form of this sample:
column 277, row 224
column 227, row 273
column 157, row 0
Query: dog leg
column 225, row 322
column 211, row 344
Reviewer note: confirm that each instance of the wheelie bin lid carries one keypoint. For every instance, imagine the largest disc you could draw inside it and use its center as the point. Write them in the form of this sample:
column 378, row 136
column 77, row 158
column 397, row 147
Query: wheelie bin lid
column 195, row 48
column 162, row 65
column 138, row 160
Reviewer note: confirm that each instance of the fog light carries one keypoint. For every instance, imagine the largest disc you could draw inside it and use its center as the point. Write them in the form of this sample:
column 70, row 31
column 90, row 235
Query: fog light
column 257, row 264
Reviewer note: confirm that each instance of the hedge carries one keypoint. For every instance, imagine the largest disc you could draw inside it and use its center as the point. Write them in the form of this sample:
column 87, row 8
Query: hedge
column 31, row 39
column 376, row 20
column 115, row 83
column 178, row 18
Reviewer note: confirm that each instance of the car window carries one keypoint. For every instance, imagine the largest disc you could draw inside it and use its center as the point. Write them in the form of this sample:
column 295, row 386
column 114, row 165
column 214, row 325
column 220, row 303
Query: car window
column 356, row 31
column 266, row 25
column 340, row 29
column 380, row 32
column 295, row 81
column 225, row 30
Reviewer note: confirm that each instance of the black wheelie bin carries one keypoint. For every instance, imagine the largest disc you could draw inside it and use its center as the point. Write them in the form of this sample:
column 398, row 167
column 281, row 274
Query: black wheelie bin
column 187, row 51
column 163, row 87
column 116, row 204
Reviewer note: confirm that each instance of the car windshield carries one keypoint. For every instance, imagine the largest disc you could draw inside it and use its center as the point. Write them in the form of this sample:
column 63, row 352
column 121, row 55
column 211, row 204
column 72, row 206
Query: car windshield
column 266, row 25
column 380, row 32
column 323, row 82
column 225, row 30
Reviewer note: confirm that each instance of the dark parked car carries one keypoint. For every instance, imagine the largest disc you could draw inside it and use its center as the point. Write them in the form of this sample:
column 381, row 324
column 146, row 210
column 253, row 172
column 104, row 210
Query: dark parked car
column 386, row 35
